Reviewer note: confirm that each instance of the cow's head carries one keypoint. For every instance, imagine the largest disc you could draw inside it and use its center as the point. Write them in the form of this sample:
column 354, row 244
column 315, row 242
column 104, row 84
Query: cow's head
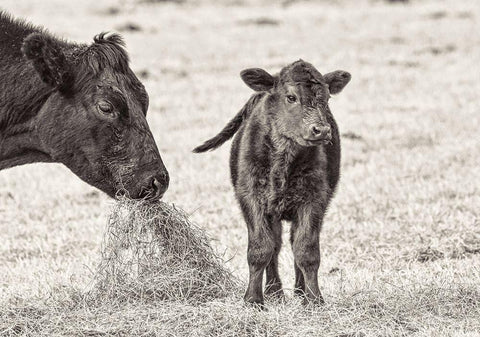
column 94, row 119
column 298, row 100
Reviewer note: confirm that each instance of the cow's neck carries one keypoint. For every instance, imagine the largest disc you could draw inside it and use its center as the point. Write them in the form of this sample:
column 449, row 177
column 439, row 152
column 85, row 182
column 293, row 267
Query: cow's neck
column 23, row 96
column 20, row 145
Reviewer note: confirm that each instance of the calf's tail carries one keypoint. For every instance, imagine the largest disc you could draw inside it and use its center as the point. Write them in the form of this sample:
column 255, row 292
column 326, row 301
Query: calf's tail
column 229, row 130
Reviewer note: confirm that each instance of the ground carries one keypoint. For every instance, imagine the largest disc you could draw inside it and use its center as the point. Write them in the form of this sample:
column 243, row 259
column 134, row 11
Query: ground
column 401, row 241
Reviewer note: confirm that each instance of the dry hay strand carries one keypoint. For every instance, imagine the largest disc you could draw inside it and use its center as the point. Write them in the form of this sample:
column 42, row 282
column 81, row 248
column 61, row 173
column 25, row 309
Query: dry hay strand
column 153, row 252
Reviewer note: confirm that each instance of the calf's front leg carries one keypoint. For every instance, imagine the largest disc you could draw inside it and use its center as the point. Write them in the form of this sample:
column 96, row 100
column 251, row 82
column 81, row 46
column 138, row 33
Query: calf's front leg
column 261, row 248
column 273, row 284
column 306, row 252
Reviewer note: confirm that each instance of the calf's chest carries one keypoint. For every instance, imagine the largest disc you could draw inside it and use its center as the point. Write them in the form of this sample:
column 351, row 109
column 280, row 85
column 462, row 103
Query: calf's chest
column 281, row 185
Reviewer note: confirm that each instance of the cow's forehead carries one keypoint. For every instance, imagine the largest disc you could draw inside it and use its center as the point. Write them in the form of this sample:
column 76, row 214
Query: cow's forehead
column 126, row 84
column 127, row 80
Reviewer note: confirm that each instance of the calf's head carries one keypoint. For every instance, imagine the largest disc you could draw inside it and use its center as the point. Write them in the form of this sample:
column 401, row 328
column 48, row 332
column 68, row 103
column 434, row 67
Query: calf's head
column 94, row 119
column 298, row 100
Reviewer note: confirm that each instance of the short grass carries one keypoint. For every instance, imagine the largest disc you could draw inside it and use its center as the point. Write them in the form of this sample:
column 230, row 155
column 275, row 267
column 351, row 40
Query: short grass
column 401, row 242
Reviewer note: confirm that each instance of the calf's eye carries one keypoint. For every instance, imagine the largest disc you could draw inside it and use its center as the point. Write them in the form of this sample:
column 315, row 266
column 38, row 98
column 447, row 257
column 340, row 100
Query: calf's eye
column 105, row 107
column 291, row 99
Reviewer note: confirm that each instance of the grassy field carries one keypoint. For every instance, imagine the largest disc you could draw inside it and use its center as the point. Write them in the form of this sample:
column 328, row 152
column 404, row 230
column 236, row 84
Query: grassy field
column 401, row 241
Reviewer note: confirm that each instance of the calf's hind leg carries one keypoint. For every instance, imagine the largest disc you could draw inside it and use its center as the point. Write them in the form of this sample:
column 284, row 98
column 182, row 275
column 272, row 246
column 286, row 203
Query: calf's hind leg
column 306, row 251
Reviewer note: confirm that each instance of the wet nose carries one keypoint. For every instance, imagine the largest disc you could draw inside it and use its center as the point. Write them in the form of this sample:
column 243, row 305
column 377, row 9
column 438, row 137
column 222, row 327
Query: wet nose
column 159, row 185
column 318, row 132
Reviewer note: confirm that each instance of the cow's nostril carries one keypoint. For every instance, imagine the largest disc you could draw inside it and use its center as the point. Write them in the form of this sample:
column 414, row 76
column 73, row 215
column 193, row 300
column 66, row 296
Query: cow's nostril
column 156, row 185
column 316, row 130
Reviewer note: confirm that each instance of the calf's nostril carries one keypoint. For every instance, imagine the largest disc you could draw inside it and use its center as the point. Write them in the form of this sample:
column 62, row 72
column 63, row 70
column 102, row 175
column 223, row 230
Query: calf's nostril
column 320, row 131
column 316, row 130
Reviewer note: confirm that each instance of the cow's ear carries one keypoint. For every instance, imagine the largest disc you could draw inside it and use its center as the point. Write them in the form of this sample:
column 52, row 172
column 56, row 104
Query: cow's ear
column 337, row 80
column 257, row 79
column 49, row 61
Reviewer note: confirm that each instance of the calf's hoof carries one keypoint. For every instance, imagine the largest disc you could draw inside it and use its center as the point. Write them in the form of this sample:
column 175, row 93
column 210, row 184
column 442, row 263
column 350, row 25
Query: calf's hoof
column 274, row 290
column 299, row 292
column 309, row 298
column 255, row 305
column 277, row 296
column 313, row 300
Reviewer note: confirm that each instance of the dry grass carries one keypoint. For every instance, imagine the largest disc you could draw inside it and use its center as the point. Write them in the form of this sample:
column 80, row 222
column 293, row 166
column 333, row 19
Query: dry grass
column 400, row 244
column 152, row 252
column 413, row 306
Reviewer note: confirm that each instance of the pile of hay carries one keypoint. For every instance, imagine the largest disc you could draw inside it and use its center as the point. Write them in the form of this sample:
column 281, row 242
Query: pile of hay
column 152, row 252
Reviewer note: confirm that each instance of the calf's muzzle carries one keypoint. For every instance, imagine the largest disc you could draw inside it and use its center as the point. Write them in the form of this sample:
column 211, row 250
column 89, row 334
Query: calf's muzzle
column 319, row 132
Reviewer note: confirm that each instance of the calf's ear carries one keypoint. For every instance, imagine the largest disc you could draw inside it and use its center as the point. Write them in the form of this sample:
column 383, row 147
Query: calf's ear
column 48, row 60
column 257, row 79
column 337, row 80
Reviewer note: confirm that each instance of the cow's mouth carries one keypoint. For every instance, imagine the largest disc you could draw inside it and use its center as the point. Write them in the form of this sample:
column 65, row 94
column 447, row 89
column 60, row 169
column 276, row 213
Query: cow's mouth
column 151, row 194
column 316, row 142
column 145, row 193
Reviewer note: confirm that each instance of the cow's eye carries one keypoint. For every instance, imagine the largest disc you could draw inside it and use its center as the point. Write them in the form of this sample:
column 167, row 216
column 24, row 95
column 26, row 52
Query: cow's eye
column 105, row 107
column 291, row 99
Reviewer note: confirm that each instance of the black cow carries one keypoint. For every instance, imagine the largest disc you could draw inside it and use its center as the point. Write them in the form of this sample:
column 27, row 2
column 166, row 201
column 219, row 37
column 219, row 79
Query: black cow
column 76, row 104
column 285, row 165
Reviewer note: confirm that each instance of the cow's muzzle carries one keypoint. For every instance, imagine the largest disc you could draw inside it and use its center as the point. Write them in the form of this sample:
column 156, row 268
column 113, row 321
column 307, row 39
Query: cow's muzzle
column 155, row 187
